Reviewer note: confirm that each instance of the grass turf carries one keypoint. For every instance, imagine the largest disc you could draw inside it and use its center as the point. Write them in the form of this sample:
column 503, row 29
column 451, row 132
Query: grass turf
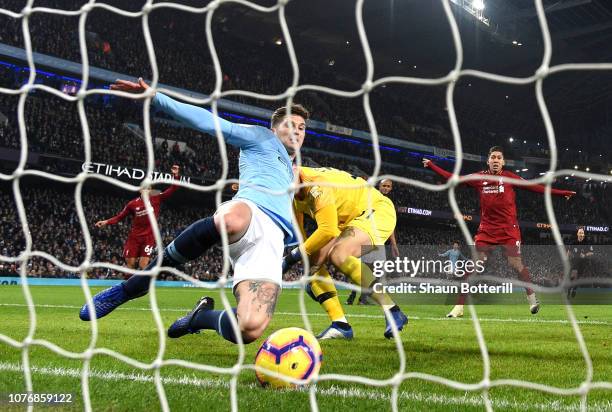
column 541, row 349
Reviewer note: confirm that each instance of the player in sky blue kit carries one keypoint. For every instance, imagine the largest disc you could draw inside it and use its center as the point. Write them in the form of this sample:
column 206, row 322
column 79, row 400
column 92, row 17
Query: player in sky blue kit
column 258, row 223
column 454, row 255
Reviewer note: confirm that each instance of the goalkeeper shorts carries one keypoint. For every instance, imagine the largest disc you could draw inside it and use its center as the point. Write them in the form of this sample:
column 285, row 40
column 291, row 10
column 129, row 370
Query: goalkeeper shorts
column 378, row 222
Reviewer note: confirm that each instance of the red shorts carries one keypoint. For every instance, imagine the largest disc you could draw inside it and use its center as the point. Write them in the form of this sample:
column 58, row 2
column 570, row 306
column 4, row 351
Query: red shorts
column 139, row 246
column 508, row 237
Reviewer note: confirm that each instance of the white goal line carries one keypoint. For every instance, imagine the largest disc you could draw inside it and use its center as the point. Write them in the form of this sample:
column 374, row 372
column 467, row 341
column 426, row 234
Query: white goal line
column 332, row 391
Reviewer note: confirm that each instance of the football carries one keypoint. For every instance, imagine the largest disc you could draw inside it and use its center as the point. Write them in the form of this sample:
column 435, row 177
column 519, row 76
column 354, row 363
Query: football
column 291, row 352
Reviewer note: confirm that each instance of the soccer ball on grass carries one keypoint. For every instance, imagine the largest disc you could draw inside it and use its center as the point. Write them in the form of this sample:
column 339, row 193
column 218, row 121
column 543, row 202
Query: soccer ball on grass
column 291, row 352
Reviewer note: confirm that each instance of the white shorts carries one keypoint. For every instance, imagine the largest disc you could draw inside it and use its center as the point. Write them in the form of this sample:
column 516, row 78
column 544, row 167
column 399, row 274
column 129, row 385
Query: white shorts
column 376, row 254
column 258, row 255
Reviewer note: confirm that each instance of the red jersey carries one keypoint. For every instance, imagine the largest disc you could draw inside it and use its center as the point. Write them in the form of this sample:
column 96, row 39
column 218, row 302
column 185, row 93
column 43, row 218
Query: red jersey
column 136, row 207
column 498, row 199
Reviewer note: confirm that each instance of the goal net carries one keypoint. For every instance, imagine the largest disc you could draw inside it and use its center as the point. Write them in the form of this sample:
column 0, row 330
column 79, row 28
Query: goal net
column 403, row 371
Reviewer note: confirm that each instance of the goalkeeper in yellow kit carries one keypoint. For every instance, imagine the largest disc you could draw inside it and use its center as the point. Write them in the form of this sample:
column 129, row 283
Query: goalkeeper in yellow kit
column 351, row 221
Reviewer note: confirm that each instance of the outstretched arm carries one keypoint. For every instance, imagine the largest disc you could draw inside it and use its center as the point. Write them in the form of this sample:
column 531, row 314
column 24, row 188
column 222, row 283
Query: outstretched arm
column 173, row 188
column 115, row 219
column 445, row 174
column 541, row 188
column 193, row 116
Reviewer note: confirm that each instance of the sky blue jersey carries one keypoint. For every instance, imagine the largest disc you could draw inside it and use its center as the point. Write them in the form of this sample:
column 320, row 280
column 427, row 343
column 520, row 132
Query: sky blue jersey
column 264, row 162
column 453, row 255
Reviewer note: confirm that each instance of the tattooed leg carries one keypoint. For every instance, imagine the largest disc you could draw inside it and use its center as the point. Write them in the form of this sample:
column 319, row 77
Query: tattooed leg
column 256, row 303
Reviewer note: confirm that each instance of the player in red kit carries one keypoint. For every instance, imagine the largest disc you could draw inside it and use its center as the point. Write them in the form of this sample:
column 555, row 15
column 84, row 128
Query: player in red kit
column 498, row 218
column 140, row 243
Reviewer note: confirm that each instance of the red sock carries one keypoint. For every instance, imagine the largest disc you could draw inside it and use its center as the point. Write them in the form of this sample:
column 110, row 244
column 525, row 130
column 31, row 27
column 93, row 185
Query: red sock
column 526, row 277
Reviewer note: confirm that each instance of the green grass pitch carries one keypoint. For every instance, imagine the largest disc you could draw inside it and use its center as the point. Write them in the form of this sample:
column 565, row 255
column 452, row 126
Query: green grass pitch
column 541, row 349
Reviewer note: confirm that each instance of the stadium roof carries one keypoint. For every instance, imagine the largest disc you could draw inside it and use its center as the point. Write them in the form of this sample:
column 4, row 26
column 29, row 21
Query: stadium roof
column 413, row 38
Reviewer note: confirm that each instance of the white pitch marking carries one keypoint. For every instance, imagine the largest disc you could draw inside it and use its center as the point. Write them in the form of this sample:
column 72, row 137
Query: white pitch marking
column 333, row 391
column 352, row 315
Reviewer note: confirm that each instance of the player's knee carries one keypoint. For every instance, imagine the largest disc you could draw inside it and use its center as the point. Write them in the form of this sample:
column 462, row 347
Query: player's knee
column 252, row 323
column 516, row 264
column 334, row 259
column 236, row 221
column 143, row 263
column 252, row 328
column 338, row 255
column 250, row 336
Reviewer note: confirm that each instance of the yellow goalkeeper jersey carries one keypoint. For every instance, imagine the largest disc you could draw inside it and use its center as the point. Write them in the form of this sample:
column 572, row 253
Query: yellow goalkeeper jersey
column 335, row 206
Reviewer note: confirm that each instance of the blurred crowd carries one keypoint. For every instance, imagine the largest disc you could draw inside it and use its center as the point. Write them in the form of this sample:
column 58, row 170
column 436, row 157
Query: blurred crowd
column 54, row 228
column 53, row 225
column 53, row 129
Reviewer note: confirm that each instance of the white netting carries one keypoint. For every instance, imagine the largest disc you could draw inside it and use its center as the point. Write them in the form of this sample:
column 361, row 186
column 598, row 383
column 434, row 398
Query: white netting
column 369, row 84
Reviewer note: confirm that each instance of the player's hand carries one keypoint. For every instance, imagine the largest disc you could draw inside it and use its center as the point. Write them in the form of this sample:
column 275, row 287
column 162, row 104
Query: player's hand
column 395, row 251
column 130, row 87
column 101, row 223
column 570, row 195
column 175, row 170
column 426, row 162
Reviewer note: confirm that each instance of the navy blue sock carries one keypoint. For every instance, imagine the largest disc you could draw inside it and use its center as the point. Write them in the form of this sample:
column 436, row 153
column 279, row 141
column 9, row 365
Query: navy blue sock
column 190, row 244
column 195, row 240
column 218, row 320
